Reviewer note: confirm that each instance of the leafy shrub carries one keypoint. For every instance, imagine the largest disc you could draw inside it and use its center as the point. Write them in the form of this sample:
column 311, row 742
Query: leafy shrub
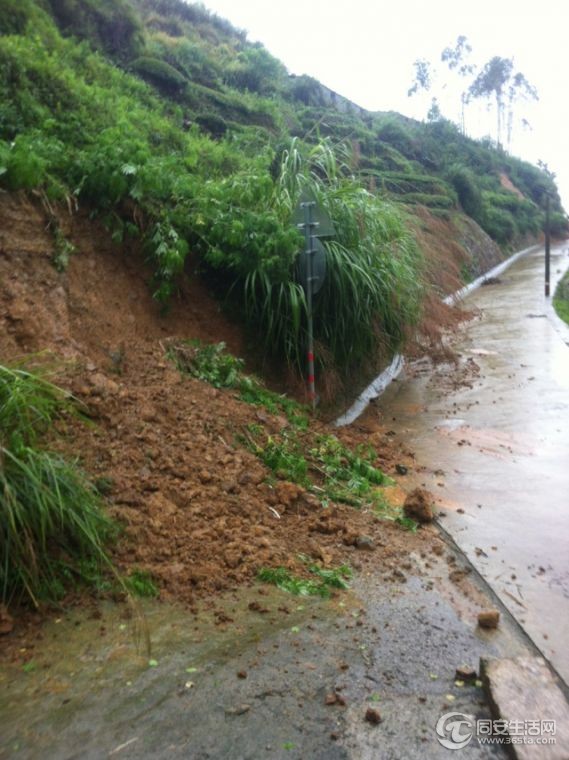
column 212, row 124
column 307, row 90
column 392, row 131
column 429, row 200
column 23, row 168
column 110, row 25
column 558, row 224
column 256, row 70
column 14, row 15
column 469, row 195
column 159, row 73
column 188, row 58
column 499, row 224
column 196, row 14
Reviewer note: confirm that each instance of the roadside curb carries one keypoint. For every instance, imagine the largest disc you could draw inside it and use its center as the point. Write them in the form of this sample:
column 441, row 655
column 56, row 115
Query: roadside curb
column 505, row 612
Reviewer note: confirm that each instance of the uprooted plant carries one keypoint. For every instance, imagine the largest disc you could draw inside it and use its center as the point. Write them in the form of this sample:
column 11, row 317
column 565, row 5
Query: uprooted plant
column 326, row 579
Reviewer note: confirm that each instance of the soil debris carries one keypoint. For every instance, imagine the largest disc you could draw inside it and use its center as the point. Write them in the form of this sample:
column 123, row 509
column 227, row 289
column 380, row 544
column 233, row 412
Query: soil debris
column 419, row 506
column 373, row 716
column 489, row 619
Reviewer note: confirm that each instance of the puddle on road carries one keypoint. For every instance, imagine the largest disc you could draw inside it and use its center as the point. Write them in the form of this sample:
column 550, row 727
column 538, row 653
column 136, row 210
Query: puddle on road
column 81, row 657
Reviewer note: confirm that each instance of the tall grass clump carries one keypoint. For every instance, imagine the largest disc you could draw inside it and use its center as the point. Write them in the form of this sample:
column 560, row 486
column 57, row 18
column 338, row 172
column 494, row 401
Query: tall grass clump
column 372, row 290
column 52, row 528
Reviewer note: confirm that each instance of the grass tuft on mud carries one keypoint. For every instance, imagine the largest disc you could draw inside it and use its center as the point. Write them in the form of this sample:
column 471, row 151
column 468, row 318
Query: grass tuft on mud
column 52, row 527
column 212, row 364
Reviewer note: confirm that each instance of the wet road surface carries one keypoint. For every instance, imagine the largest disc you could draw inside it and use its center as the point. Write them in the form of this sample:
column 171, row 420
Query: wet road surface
column 259, row 685
column 493, row 436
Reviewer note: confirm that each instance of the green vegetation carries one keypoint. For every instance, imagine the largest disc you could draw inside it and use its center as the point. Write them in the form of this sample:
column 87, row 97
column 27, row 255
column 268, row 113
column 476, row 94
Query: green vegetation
column 62, row 251
column 52, row 527
column 212, row 364
column 324, row 466
column 561, row 298
column 282, row 578
column 165, row 121
column 140, row 583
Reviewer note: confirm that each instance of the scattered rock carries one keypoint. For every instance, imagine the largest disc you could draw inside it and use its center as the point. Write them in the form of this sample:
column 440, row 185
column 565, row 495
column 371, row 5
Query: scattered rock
column 148, row 413
column 103, row 385
column 466, row 673
column 205, row 476
column 322, row 554
column 256, row 607
column 287, row 493
column 400, row 469
column 238, row 710
column 438, row 549
column 372, row 716
column 457, row 575
column 365, row 543
column 331, row 698
column 242, row 674
column 418, row 506
column 489, row 619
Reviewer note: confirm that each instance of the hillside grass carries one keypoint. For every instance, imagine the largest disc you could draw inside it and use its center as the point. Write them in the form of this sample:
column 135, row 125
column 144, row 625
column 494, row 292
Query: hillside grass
column 163, row 119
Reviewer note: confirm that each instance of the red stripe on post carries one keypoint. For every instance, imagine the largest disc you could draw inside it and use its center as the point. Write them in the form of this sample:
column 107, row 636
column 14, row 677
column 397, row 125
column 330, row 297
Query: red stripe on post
column 310, row 356
column 310, row 378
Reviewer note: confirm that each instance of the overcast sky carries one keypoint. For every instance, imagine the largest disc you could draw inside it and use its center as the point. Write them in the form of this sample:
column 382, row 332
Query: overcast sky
column 364, row 49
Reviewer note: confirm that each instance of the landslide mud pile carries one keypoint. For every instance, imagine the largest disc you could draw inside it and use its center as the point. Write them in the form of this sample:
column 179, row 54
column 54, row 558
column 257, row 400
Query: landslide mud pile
column 200, row 512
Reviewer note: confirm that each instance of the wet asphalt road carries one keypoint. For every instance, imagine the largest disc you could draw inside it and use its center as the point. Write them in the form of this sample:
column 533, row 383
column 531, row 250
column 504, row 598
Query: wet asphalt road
column 497, row 453
column 256, row 687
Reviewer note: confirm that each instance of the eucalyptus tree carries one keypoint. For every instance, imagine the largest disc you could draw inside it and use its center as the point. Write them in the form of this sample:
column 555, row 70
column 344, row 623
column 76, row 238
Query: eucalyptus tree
column 518, row 89
column 456, row 60
column 426, row 75
column 423, row 80
column 497, row 81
